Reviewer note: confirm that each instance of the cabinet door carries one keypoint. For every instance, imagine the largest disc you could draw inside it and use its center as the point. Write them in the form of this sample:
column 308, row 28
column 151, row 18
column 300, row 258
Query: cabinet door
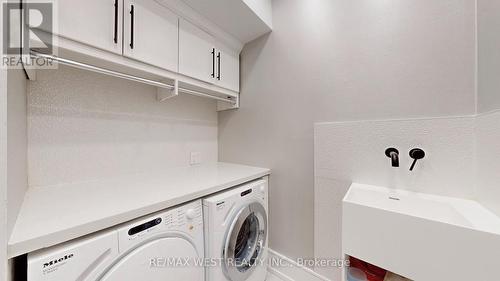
column 196, row 52
column 228, row 69
column 97, row 23
column 150, row 33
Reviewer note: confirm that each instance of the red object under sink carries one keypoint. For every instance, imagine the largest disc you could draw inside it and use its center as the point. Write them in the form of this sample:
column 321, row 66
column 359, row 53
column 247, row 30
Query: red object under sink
column 373, row 273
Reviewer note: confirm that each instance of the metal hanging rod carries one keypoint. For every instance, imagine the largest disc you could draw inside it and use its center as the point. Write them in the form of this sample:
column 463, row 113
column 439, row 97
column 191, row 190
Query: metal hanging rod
column 102, row 70
column 200, row 94
column 128, row 76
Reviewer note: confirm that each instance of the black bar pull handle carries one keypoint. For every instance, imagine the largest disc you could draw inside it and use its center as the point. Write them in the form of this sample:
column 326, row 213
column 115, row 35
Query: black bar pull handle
column 218, row 65
column 131, row 26
column 115, row 34
column 213, row 63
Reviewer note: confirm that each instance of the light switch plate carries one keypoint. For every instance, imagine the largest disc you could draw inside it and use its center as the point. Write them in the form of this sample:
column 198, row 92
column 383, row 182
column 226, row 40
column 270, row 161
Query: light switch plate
column 195, row 158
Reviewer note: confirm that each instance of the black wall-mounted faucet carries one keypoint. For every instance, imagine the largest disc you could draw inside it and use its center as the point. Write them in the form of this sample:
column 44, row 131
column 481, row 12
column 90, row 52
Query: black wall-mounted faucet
column 416, row 154
column 394, row 155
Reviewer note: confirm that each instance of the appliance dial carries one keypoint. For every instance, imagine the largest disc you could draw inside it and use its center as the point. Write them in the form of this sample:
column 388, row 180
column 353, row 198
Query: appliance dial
column 191, row 214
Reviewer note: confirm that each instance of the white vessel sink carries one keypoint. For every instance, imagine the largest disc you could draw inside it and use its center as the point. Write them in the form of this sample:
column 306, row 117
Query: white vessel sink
column 421, row 236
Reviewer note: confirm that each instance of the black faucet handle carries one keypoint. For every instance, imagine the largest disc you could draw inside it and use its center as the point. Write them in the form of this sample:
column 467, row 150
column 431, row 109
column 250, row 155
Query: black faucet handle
column 416, row 154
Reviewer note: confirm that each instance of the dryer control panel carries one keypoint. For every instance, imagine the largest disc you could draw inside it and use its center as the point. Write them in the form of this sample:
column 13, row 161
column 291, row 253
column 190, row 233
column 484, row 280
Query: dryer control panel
column 184, row 220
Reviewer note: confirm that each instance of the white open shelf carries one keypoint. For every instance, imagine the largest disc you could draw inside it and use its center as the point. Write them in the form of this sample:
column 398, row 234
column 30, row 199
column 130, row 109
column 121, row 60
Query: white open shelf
column 169, row 86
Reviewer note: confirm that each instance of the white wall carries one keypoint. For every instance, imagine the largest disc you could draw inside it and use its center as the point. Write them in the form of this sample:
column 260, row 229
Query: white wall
column 488, row 18
column 335, row 60
column 3, row 170
column 17, row 173
column 262, row 8
column 488, row 122
column 85, row 126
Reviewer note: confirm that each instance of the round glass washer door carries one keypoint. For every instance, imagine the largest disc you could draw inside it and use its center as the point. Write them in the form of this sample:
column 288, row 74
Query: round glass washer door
column 161, row 259
column 245, row 242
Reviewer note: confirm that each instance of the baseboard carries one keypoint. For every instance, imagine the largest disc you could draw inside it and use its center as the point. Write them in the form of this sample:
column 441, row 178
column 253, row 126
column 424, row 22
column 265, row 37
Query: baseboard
column 288, row 270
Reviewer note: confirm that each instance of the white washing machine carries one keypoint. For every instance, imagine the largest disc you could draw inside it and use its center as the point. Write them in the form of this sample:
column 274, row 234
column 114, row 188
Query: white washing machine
column 157, row 247
column 236, row 232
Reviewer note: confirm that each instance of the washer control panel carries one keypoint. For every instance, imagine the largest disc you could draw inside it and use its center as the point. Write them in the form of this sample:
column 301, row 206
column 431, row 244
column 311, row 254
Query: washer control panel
column 187, row 219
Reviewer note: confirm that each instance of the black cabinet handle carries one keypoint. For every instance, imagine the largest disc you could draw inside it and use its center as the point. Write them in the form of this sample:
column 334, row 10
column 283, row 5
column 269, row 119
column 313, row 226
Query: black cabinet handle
column 213, row 62
column 131, row 26
column 115, row 35
column 218, row 66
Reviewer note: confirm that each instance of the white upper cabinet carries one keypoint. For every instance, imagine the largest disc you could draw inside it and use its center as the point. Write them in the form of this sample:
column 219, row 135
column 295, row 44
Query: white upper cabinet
column 197, row 54
column 93, row 22
column 228, row 69
column 201, row 57
column 150, row 34
column 167, row 38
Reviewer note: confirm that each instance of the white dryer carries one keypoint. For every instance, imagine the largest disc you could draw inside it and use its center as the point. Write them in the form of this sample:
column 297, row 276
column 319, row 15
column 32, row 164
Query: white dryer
column 236, row 231
column 153, row 248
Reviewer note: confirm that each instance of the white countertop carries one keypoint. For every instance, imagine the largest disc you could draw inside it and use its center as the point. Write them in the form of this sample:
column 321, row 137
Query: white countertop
column 55, row 214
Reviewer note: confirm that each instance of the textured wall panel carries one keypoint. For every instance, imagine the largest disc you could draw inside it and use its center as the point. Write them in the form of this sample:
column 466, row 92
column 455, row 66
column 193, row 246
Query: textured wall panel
column 354, row 151
column 85, row 126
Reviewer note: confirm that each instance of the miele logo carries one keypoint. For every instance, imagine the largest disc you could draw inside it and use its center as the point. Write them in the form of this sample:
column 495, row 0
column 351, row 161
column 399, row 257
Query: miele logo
column 56, row 261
